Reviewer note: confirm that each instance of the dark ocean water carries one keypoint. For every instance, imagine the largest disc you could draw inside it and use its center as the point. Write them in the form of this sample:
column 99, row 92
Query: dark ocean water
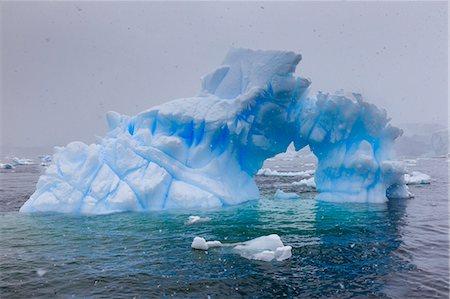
column 393, row 250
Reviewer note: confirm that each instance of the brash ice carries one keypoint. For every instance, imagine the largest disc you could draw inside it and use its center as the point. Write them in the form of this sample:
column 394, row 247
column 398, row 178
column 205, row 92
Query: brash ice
column 203, row 152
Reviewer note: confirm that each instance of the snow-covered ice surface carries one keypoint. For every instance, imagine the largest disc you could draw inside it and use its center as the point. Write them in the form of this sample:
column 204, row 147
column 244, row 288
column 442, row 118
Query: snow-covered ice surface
column 204, row 151
column 200, row 243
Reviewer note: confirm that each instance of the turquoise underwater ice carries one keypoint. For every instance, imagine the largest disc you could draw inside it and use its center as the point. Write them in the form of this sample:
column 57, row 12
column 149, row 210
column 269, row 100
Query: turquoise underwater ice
column 203, row 151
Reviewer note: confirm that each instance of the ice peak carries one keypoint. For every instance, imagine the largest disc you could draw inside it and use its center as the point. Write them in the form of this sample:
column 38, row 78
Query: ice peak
column 243, row 70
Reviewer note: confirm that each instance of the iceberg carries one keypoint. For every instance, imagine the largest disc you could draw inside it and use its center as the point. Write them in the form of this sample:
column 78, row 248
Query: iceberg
column 265, row 248
column 203, row 152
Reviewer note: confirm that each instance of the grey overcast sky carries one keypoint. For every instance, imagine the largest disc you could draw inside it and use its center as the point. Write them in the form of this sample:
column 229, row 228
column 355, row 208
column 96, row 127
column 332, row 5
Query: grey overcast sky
column 65, row 64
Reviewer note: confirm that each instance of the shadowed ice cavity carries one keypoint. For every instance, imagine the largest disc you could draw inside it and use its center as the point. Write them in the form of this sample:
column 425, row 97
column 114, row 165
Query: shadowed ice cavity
column 203, row 152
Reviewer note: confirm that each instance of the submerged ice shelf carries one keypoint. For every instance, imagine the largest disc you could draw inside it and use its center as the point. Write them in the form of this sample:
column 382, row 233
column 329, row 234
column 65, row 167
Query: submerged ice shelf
column 203, row 152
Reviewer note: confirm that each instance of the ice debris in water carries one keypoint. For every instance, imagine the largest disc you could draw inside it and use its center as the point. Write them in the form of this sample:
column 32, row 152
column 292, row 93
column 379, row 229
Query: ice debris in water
column 265, row 248
column 197, row 219
column 417, row 178
column 201, row 244
column 6, row 166
column 22, row 161
column 280, row 194
column 270, row 172
column 307, row 185
column 203, row 152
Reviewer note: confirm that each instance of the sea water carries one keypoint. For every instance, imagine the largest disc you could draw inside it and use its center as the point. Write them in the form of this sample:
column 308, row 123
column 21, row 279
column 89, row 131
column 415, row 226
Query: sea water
column 396, row 250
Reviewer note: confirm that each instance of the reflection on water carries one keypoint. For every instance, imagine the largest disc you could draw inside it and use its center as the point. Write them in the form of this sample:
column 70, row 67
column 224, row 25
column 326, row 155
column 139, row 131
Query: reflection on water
column 396, row 250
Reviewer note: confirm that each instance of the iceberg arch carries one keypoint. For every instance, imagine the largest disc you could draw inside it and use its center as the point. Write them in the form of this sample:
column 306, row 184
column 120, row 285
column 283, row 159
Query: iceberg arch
column 204, row 151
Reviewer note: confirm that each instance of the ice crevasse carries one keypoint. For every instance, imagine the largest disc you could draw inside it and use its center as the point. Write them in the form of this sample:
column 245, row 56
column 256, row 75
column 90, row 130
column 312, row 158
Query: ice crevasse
column 203, row 151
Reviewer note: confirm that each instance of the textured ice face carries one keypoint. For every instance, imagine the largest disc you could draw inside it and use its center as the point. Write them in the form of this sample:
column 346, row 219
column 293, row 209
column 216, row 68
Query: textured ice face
column 202, row 152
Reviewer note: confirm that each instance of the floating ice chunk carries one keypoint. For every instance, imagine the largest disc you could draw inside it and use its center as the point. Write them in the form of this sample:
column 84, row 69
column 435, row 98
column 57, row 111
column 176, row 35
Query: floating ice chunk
column 199, row 243
column 264, row 249
column 270, row 172
column 280, row 194
column 22, row 161
column 270, row 242
column 417, row 178
column 283, row 253
column 6, row 166
column 307, row 185
column 197, row 219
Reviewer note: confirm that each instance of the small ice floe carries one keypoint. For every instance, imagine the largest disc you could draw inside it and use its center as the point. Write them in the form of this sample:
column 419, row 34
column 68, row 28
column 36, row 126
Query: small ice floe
column 6, row 166
column 22, row 161
column 201, row 244
column 280, row 194
column 197, row 219
column 270, row 172
column 417, row 178
column 265, row 248
column 306, row 184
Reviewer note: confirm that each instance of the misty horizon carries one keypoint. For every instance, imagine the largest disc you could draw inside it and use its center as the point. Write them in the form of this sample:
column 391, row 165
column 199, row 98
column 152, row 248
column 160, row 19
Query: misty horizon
column 64, row 65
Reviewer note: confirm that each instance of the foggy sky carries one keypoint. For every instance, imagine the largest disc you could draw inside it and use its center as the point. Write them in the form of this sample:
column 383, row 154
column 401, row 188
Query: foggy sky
column 64, row 65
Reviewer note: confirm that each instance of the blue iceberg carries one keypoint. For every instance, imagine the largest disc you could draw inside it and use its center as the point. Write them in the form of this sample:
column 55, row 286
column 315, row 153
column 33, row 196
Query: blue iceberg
column 203, row 151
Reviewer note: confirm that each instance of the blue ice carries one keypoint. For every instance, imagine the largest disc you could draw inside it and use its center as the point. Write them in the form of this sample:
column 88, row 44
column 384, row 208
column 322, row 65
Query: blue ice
column 203, row 151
